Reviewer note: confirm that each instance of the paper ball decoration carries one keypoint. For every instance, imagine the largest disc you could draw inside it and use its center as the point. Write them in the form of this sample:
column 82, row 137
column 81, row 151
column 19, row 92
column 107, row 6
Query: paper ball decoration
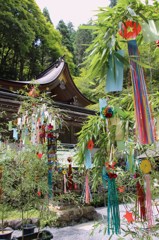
column 145, row 166
column 130, row 29
column 108, row 112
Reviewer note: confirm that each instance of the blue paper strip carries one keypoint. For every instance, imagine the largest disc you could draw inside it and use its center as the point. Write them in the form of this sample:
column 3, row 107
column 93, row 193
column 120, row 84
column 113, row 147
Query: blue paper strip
column 114, row 80
column 102, row 104
column 88, row 159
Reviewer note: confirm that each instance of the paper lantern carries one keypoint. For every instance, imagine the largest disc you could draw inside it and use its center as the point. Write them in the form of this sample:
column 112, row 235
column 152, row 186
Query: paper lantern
column 130, row 29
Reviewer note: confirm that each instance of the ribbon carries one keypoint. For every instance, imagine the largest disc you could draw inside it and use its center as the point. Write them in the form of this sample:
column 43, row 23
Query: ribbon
column 140, row 202
column 149, row 212
column 87, row 200
column 65, row 181
column 144, row 120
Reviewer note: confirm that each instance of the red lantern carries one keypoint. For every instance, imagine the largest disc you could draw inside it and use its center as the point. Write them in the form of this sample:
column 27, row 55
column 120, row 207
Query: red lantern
column 130, row 29
column 90, row 145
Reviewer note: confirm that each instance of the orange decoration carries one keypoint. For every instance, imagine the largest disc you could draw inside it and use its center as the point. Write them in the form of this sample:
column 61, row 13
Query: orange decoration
column 130, row 29
column 121, row 189
column 110, row 166
column 39, row 193
column 90, row 144
column 129, row 217
column 33, row 93
column 39, row 155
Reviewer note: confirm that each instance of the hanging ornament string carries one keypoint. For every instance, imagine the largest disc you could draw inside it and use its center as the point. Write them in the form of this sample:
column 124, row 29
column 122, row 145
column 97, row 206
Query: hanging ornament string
column 140, row 202
column 149, row 201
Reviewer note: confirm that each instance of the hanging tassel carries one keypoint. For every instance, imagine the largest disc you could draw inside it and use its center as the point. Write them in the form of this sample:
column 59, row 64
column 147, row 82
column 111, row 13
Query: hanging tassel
column 140, row 202
column 144, row 120
column 148, row 201
column 113, row 216
column 87, row 200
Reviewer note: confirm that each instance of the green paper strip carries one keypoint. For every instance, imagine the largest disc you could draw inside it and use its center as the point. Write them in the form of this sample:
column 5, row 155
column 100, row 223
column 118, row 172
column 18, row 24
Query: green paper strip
column 150, row 31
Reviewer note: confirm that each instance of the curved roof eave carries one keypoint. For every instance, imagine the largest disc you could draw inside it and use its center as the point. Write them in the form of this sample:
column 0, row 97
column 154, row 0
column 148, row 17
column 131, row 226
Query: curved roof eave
column 49, row 78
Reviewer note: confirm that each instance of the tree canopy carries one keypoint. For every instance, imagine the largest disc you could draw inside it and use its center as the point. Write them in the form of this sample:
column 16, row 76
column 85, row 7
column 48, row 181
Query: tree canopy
column 28, row 41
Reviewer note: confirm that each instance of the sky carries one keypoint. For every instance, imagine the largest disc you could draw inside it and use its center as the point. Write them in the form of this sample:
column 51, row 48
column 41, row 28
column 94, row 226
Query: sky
column 75, row 11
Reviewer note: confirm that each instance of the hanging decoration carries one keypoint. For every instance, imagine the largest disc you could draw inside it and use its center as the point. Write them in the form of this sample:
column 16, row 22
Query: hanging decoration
column 88, row 159
column 114, row 80
column 64, row 180
column 144, row 121
column 52, row 156
column 150, row 31
column 90, row 144
column 113, row 214
column 145, row 167
column 33, row 92
column 108, row 112
column 88, row 165
column 102, row 105
column 140, row 201
column 70, row 181
column 130, row 29
column 36, row 127
column 87, row 189
column 129, row 217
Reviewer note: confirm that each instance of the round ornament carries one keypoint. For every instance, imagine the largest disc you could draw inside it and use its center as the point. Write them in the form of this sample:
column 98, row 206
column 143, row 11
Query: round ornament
column 145, row 166
column 108, row 112
column 130, row 29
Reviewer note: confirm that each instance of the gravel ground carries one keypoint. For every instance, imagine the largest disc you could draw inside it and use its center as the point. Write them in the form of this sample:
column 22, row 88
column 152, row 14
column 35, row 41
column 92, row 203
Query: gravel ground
column 83, row 231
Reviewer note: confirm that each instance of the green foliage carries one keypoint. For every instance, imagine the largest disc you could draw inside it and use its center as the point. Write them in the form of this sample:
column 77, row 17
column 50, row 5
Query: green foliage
column 106, row 40
column 24, row 55
column 82, row 40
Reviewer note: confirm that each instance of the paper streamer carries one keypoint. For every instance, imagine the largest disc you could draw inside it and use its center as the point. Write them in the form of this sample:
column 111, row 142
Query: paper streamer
column 102, row 104
column 15, row 133
column 88, row 159
column 119, row 133
column 144, row 120
column 65, row 182
column 140, row 202
column 149, row 211
column 114, row 80
column 87, row 190
column 150, row 31
column 113, row 208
